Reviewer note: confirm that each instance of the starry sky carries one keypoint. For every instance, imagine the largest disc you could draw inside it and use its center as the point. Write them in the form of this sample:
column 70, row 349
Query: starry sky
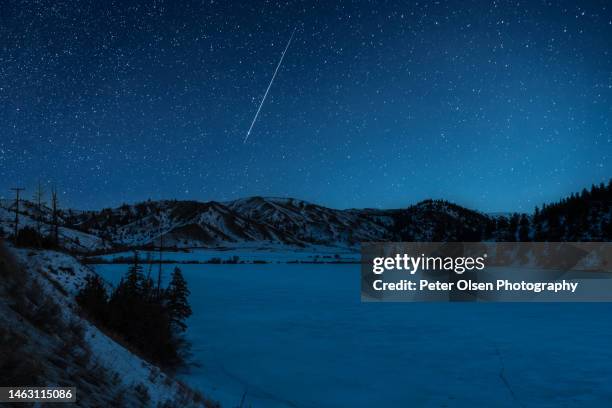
column 498, row 106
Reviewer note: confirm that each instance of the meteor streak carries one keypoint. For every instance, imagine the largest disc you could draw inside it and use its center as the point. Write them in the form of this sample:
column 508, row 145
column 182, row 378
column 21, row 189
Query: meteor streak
column 269, row 86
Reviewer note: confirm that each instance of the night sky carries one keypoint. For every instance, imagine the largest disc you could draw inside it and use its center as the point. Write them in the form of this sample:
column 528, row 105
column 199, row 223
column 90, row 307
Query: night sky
column 495, row 105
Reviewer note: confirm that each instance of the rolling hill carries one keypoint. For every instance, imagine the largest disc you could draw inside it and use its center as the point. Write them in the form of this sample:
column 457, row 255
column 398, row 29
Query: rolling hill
column 287, row 221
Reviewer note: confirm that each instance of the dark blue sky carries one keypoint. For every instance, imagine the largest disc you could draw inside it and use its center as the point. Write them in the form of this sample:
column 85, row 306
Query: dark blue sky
column 494, row 105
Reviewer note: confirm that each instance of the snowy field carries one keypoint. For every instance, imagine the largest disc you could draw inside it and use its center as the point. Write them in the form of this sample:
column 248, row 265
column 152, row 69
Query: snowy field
column 298, row 336
column 268, row 253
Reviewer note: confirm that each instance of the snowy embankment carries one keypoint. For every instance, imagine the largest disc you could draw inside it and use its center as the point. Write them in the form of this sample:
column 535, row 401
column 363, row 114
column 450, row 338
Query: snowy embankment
column 70, row 239
column 241, row 254
column 60, row 276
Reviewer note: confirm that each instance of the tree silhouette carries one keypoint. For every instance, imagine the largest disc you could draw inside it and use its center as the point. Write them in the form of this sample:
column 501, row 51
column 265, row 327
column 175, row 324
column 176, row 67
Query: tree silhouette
column 152, row 324
column 93, row 297
column 176, row 298
column 524, row 228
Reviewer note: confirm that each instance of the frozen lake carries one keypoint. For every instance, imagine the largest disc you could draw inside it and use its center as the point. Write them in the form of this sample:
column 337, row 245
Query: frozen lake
column 298, row 336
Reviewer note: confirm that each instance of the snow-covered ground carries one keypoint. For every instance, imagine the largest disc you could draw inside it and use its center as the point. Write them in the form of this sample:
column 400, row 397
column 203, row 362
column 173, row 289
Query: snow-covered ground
column 298, row 336
column 61, row 276
column 249, row 253
column 69, row 238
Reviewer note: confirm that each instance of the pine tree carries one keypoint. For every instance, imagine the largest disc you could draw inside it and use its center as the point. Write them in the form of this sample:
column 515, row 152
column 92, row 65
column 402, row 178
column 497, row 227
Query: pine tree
column 151, row 324
column 513, row 227
column 176, row 295
column 119, row 308
column 523, row 228
column 134, row 279
column 93, row 297
column 148, row 286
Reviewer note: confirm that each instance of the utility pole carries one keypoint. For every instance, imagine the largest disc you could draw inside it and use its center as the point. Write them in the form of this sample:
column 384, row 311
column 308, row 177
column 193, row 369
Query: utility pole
column 17, row 190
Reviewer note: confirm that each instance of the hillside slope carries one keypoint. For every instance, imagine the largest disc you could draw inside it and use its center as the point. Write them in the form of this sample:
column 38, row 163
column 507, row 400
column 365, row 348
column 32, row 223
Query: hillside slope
column 49, row 343
column 72, row 239
column 255, row 219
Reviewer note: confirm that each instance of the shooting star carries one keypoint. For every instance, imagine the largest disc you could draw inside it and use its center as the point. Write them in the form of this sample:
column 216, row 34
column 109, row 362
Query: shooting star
column 269, row 86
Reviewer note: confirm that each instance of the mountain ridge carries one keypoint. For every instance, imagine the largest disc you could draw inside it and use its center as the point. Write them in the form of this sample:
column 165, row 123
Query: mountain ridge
column 295, row 222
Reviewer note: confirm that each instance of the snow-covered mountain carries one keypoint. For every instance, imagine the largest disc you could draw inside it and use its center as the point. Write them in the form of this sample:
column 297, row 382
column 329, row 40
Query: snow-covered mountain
column 288, row 221
column 255, row 219
column 294, row 220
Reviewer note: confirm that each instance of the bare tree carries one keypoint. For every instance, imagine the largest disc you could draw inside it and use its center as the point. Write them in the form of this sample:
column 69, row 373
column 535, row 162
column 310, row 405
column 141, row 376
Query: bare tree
column 17, row 191
column 39, row 201
column 161, row 248
column 55, row 217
